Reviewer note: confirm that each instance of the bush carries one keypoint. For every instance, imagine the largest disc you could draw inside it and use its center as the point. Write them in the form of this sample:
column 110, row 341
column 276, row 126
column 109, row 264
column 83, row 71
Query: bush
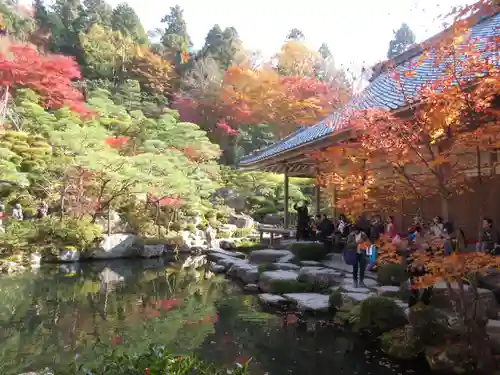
column 392, row 274
column 223, row 235
column 190, row 227
column 401, row 343
column 308, row 251
column 378, row 315
column 157, row 358
column 242, row 232
column 176, row 227
column 429, row 324
column 335, row 300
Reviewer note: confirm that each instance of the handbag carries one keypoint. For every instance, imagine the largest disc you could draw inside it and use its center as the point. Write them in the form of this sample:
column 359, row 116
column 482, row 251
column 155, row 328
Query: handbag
column 349, row 257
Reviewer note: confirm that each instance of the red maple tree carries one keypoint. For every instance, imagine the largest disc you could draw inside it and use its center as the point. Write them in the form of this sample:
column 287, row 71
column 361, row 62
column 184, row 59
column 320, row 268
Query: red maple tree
column 50, row 76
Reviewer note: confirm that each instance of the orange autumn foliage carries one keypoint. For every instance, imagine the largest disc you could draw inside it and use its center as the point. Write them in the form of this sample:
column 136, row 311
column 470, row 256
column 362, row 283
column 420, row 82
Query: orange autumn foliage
column 263, row 96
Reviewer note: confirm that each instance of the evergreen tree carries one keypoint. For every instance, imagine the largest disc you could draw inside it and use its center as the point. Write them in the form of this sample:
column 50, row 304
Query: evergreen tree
column 222, row 46
column 125, row 20
column 97, row 12
column 403, row 38
column 295, row 34
column 175, row 37
column 324, row 51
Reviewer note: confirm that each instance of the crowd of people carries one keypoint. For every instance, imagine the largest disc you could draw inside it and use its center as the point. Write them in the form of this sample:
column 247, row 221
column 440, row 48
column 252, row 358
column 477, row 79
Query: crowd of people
column 18, row 213
column 357, row 240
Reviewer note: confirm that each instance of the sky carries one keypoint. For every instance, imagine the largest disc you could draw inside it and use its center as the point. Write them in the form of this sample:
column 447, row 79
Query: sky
column 357, row 31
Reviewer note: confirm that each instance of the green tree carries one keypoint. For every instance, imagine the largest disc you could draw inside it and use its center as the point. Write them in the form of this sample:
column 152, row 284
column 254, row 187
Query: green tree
column 295, row 34
column 224, row 46
column 125, row 20
column 175, row 37
column 324, row 51
column 97, row 12
column 403, row 38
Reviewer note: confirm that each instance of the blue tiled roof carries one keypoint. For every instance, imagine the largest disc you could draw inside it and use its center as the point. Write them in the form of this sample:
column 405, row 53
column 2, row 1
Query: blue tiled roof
column 382, row 93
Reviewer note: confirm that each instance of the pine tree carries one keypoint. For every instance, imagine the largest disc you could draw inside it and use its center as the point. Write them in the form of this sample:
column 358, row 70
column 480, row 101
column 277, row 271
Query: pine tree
column 403, row 38
column 175, row 38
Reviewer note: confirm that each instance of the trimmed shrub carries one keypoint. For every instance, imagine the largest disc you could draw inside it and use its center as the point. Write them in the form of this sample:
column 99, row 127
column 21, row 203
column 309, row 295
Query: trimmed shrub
column 289, row 286
column 401, row 343
column 379, row 315
column 242, row 232
column 392, row 274
column 308, row 251
column 335, row 300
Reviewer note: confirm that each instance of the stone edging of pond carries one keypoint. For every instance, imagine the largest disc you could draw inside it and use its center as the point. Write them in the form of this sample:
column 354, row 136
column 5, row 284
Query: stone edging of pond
column 327, row 288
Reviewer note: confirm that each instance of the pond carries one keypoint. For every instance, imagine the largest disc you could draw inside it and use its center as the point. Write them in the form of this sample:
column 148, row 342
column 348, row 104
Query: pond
column 51, row 316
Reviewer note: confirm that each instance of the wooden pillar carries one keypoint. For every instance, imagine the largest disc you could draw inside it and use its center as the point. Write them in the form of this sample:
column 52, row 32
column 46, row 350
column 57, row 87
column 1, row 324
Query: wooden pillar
column 286, row 221
column 334, row 201
column 317, row 199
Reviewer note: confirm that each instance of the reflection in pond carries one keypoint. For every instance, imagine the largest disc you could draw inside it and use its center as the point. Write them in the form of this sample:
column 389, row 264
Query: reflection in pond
column 49, row 317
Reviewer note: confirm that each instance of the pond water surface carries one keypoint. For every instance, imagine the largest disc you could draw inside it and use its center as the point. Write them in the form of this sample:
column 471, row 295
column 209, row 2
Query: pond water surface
column 51, row 316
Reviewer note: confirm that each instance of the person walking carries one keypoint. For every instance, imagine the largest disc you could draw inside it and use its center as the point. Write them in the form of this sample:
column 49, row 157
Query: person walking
column 358, row 269
column 302, row 220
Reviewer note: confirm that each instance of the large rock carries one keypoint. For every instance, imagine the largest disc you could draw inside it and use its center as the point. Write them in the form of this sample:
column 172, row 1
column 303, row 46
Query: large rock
column 116, row 224
column 194, row 262
column 268, row 256
column 107, row 276
column 272, row 300
column 318, row 275
column 247, row 273
column 153, row 251
column 226, row 253
column 309, row 301
column 241, row 221
column 121, row 245
column 268, row 277
column 487, row 304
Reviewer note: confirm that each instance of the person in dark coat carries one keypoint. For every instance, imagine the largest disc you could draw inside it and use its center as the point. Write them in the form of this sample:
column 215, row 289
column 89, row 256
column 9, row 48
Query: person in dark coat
column 302, row 220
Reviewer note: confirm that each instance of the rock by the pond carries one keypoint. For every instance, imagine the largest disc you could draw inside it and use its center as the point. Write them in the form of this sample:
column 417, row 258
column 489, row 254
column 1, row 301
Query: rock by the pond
column 121, row 245
column 487, row 306
column 228, row 262
column 309, row 301
column 216, row 268
column 219, row 252
column 272, row 299
column 350, row 288
column 35, row 259
column 248, row 273
column 153, row 251
column 268, row 277
column 387, row 290
column 369, row 283
column 194, row 261
column 268, row 256
column 251, row 288
column 320, row 275
column 69, row 255
column 109, row 276
column 310, row 263
column 286, row 266
column 241, row 221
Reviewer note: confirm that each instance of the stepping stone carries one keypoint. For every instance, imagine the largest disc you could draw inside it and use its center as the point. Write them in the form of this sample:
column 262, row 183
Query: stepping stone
column 309, row 301
column 311, row 263
column 218, row 252
column 272, row 299
column 268, row 256
column 248, row 273
column 216, row 268
column 324, row 276
column 352, row 289
column 387, row 290
column 286, row 266
column 251, row 288
column 368, row 282
column 268, row 277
